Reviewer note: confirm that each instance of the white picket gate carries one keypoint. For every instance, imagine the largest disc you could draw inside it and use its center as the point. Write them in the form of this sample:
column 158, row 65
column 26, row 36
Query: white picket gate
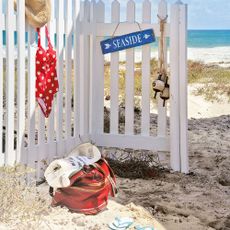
column 77, row 29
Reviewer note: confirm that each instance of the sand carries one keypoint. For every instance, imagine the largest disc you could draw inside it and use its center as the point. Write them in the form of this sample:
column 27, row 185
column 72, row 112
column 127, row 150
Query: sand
column 173, row 201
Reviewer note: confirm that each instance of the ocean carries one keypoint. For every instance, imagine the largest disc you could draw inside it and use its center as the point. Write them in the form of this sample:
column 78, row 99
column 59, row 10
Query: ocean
column 208, row 46
column 196, row 38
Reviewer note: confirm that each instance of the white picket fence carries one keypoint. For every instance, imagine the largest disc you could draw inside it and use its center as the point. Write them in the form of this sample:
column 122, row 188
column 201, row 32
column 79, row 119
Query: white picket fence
column 78, row 110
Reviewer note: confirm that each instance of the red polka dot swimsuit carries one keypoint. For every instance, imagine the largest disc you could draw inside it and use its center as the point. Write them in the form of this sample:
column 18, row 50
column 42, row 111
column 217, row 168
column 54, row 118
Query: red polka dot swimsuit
column 46, row 75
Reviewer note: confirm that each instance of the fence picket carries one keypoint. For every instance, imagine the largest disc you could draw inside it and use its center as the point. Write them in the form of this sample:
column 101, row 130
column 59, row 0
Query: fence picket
column 84, row 74
column 60, row 70
column 162, row 111
column 1, row 89
column 41, row 120
column 10, row 83
column 146, row 56
column 31, row 96
column 68, row 67
column 21, row 80
column 114, row 92
column 98, row 78
column 129, row 78
column 174, row 89
column 76, row 68
column 50, row 125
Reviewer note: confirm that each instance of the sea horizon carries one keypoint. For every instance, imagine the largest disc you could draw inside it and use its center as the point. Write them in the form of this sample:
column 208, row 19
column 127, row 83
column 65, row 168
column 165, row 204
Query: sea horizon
column 207, row 45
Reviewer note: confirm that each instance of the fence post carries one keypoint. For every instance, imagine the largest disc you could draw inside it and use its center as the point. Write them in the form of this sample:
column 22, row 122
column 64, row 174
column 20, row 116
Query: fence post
column 174, row 89
column 178, row 113
column 183, row 88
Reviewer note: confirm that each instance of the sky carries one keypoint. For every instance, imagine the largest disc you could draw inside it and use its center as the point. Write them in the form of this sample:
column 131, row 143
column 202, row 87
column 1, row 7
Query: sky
column 202, row 14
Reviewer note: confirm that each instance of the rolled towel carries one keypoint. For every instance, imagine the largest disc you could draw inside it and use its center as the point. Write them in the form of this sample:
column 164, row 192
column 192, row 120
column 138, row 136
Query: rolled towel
column 59, row 172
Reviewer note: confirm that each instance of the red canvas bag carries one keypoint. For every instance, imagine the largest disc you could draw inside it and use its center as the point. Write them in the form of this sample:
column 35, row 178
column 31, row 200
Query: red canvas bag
column 89, row 189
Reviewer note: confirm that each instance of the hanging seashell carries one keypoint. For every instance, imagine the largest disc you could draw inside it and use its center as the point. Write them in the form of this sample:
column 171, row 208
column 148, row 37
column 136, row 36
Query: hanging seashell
column 165, row 93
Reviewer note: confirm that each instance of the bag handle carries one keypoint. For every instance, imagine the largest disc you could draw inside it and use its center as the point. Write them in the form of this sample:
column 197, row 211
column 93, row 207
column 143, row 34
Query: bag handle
column 51, row 191
column 47, row 37
column 111, row 177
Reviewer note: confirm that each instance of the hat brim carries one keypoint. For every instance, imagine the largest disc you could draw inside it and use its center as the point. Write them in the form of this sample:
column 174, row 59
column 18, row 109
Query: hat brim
column 88, row 150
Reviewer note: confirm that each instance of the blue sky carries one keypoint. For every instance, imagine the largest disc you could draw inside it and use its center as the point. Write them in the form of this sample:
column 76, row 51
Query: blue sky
column 202, row 14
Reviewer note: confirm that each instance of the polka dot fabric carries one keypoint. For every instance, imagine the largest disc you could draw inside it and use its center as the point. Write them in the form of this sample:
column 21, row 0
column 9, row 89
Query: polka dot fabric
column 46, row 75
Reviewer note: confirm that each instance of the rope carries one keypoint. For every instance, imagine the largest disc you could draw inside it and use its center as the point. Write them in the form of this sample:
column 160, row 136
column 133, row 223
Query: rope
column 118, row 24
column 162, row 55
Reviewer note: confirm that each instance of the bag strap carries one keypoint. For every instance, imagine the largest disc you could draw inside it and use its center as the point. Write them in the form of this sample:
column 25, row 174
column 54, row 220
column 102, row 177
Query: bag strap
column 51, row 191
column 47, row 37
column 110, row 177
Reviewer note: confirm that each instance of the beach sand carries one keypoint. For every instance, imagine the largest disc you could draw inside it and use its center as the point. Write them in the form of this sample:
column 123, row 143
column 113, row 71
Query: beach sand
column 173, row 201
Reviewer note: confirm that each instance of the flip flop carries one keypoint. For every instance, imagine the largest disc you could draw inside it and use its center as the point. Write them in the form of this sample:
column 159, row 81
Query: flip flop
column 121, row 223
column 139, row 227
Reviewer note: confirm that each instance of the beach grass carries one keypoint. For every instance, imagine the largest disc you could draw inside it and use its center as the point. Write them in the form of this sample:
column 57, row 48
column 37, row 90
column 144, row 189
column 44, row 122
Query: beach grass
column 20, row 201
column 213, row 81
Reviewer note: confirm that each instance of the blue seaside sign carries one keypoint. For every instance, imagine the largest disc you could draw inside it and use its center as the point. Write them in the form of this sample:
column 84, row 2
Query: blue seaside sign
column 127, row 41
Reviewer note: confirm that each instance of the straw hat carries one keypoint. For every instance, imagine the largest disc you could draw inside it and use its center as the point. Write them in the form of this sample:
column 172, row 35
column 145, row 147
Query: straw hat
column 37, row 12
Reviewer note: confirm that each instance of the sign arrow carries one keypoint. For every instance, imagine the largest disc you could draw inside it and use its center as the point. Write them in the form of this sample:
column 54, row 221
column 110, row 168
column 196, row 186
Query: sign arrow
column 107, row 46
column 146, row 36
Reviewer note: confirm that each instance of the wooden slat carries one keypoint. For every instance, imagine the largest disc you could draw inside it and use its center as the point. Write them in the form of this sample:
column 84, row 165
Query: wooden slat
column 10, row 156
column 41, row 118
column 183, row 91
column 31, row 95
column 132, row 141
column 21, row 80
column 51, row 147
column 146, row 57
column 60, row 50
column 174, row 90
column 107, row 29
column 114, row 89
column 129, row 79
column 50, row 125
column 76, row 68
column 68, row 66
column 84, row 74
column 1, row 89
column 98, row 78
column 162, row 111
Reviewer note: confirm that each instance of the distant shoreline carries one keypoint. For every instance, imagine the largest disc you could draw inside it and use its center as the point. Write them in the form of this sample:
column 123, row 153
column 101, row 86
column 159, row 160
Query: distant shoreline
column 216, row 56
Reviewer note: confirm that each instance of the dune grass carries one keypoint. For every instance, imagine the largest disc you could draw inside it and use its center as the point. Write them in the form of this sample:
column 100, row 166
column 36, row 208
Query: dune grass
column 20, row 202
column 213, row 81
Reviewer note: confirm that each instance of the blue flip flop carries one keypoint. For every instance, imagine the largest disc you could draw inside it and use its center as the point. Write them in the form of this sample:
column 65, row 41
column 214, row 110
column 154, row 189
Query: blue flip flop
column 139, row 227
column 121, row 223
